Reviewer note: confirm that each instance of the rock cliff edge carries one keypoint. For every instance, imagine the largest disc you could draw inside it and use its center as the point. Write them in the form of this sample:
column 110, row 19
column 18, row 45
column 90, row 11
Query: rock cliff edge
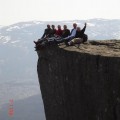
column 81, row 83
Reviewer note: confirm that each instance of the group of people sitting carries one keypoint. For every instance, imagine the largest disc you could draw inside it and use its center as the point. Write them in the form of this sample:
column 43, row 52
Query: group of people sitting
column 53, row 36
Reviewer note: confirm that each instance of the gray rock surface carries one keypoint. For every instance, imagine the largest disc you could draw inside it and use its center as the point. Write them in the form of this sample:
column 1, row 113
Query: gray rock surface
column 81, row 83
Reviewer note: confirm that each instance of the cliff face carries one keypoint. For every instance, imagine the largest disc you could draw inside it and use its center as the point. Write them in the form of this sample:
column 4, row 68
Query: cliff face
column 81, row 83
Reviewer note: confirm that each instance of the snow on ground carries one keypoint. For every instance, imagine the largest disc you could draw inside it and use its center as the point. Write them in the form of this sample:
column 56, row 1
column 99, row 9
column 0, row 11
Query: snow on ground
column 13, row 28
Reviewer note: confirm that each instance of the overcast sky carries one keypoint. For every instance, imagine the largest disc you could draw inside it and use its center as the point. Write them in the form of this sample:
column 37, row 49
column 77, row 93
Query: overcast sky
column 12, row 11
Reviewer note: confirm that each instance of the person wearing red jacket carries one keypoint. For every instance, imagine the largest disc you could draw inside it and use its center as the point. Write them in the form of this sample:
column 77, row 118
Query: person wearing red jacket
column 59, row 31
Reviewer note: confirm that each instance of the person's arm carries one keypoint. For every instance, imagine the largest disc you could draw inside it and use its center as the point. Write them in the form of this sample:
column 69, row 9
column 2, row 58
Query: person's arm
column 83, row 30
column 44, row 34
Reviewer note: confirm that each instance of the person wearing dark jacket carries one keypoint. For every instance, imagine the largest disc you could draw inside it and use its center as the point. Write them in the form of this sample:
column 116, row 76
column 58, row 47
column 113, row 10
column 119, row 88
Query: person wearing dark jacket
column 79, row 32
column 47, row 32
column 45, row 35
column 53, row 31
column 66, row 32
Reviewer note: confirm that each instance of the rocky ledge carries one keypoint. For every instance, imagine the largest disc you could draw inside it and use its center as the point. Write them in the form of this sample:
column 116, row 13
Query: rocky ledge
column 81, row 83
column 103, row 48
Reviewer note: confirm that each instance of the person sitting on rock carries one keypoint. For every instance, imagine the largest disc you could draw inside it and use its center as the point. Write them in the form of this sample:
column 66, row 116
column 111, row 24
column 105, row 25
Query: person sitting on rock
column 53, row 31
column 46, row 34
column 59, row 31
column 55, row 34
column 66, row 32
column 80, row 37
column 50, row 37
column 70, row 37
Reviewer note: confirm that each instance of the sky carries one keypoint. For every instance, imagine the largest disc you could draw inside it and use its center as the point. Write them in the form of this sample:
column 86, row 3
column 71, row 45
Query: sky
column 13, row 11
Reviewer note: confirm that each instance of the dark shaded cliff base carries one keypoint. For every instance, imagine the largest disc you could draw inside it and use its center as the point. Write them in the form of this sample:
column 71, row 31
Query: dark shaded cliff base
column 81, row 83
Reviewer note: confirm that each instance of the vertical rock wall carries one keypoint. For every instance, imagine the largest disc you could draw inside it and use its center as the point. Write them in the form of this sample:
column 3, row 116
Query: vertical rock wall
column 79, row 86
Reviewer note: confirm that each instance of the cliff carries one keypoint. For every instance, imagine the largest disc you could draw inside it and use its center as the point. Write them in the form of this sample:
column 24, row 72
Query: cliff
column 81, row 83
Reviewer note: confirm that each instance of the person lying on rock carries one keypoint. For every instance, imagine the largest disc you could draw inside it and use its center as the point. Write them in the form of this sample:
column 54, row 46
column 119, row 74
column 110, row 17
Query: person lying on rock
column 80, row 37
